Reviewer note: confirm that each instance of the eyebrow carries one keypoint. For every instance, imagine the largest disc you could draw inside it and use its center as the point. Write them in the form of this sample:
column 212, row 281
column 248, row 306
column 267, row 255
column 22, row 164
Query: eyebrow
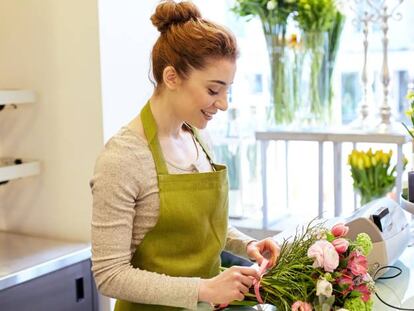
column 218, row 81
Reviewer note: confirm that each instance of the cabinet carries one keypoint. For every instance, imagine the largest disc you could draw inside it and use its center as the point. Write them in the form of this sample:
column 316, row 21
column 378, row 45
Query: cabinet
column 11, row 168
column 45, row 274
column 68, row 289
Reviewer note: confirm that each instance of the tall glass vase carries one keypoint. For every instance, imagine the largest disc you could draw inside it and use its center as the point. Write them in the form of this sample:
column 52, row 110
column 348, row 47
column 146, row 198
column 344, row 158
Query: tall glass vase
column 315, row 107
column 280, row 110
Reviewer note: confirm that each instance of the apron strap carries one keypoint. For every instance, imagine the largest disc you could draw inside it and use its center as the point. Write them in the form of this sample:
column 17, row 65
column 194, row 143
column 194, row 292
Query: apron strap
column 197, row 136
column 150, row 130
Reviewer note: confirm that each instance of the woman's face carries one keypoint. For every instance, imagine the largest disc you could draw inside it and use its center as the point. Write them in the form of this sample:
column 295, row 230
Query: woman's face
column 204, row 92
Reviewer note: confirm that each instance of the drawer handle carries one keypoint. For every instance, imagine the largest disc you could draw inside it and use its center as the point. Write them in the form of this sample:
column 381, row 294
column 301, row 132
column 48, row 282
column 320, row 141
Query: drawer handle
column 80, row 293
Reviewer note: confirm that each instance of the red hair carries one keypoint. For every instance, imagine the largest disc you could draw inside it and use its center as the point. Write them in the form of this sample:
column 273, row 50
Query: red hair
column 187, row 41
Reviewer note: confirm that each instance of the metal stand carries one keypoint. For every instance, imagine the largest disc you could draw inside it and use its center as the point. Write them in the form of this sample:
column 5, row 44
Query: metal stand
column 364, row 109
column 382, row 13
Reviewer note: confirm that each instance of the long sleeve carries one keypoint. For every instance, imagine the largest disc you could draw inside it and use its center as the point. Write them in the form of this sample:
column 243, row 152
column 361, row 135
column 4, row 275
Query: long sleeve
column 237, row 241
column 125, row 207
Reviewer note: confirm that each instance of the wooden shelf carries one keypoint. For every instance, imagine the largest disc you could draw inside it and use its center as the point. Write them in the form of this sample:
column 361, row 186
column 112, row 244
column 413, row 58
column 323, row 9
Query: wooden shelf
column 16, row 97
column 14, row 171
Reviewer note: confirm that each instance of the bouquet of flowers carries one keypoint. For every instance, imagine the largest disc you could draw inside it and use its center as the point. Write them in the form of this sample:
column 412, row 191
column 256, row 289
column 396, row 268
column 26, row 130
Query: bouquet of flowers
column 372, row 173
column 319, row 24
column 274, row 16
column 320, row 270
column 319, row 21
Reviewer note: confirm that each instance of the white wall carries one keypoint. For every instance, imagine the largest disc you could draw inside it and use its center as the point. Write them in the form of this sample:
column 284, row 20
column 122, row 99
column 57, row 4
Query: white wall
column 51, row 47
column 126, row 38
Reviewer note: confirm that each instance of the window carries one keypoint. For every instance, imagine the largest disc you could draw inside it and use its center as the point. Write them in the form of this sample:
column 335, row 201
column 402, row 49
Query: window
column 233, row 131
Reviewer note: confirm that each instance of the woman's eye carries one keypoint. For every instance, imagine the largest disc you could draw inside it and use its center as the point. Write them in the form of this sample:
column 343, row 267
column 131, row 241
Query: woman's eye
column 211, row 92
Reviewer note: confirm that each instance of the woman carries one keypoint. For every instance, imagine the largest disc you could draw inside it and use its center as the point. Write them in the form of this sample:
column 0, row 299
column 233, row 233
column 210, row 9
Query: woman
column 160, row 203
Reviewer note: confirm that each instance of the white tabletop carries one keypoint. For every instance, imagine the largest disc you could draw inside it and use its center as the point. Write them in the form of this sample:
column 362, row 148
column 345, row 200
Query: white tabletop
column 398, row 291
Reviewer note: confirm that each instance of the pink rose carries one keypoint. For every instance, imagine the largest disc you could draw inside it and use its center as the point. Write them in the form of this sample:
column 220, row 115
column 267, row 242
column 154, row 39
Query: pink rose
column 325, row 255
column 339, row 230
column 301, row 306
column 363, row 289
column 341, row 245
column 345, row 281
column 358, row 264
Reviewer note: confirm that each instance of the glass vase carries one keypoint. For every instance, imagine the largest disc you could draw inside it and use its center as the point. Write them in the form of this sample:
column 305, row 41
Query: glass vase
column 315, row 109
column 368, row 196
column 280, row 111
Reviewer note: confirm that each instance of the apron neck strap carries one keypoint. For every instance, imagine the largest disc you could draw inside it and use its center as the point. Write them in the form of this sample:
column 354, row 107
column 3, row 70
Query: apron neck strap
column 197, row 135
column 150, row 130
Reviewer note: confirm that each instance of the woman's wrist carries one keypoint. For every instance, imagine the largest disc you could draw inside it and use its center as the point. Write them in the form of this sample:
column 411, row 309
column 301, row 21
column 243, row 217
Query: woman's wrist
column 247, row 250
column 204, row 291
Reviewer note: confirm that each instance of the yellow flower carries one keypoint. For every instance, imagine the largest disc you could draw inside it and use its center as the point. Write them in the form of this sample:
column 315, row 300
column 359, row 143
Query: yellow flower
column 409, row 112
column 410, row 95
column 353, row 158
column 293, row 41
column 377, row 157
column 360, row 163
column 367, row 162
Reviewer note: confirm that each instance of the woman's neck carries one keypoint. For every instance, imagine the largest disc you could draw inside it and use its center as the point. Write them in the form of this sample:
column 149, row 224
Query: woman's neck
column 168, row 123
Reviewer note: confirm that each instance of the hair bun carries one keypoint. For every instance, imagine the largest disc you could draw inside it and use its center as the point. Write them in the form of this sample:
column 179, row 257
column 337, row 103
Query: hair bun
column 169, row 13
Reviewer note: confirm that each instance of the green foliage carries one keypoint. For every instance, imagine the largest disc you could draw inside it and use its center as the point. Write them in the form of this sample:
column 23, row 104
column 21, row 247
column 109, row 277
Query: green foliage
column 316, row 15
column 364, row 243
column 355, row 304
column 271, row 12
column 410, row 113
column 293, row 277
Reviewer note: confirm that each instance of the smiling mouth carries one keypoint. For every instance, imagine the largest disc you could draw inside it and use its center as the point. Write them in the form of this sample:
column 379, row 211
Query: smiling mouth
column 208, row 115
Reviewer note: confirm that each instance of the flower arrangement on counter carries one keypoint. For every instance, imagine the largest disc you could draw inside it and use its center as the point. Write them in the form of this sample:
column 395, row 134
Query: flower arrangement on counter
column 410, row 113
column 274, row 18
column 315, row 21
column 319, row 269
column 372, row 173
column 321, row 24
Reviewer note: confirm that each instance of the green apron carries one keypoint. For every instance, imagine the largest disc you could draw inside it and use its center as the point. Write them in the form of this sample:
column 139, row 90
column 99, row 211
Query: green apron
column 192, row 225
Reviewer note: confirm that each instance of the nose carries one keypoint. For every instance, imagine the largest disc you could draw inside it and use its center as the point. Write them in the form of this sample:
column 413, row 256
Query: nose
column 222, row 103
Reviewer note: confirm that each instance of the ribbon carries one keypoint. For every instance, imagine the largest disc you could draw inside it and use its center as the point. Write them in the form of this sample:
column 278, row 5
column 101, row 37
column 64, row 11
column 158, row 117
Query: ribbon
column 256, row 284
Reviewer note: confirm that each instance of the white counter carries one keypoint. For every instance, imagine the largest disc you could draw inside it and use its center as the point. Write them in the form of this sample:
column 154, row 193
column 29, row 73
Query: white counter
column 23, row 258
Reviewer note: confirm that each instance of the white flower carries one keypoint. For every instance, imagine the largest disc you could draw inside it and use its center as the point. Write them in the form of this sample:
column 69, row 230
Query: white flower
column 341, row 6
column 271, row 5
column 342, row 309
column 323, row 287
column 320, row 233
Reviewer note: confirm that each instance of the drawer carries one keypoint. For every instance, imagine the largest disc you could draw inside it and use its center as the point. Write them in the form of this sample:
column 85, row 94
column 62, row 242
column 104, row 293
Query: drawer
column 67, row 289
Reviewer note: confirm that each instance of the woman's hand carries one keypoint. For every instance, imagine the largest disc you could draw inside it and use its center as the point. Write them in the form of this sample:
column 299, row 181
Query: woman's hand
column 232, row 284
column 266, row 248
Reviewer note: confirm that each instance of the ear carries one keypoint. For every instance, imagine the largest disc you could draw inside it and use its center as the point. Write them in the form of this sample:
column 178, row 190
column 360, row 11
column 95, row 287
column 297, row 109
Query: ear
column 170, row 78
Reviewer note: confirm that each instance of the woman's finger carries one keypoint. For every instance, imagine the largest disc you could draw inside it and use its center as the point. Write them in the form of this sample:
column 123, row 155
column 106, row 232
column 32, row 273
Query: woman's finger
column 243, row 289
column 248, row 271
column 247, row 281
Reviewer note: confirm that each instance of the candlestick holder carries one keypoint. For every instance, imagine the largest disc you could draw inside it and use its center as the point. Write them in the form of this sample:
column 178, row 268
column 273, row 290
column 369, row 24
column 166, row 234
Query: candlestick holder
column 364, row 17
column 382, row 13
